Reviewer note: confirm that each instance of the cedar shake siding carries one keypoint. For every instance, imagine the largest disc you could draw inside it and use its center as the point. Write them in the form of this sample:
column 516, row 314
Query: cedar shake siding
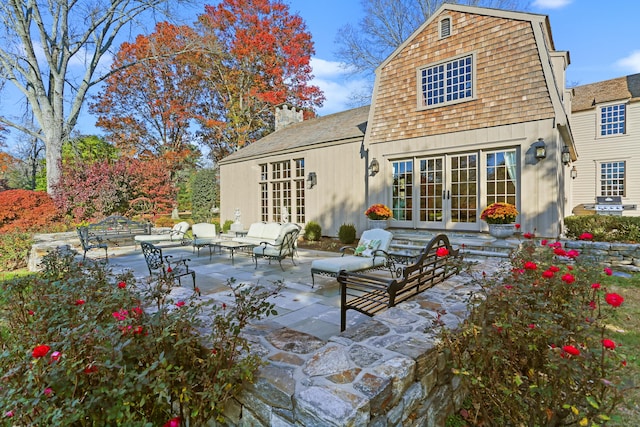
column 509, row 84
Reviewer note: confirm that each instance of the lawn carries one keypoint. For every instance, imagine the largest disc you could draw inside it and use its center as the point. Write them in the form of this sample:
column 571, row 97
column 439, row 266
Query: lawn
column 626, row 329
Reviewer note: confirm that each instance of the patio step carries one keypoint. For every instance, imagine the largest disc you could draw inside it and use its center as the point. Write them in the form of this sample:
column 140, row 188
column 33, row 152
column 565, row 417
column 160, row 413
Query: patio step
column 411, row 242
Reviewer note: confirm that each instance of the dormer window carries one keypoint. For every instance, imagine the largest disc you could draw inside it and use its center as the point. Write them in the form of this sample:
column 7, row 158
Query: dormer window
column 448, row 82
column 445, row 27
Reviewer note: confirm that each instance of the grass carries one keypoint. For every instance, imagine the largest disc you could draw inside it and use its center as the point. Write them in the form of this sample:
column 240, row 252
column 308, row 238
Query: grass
column 626, row 333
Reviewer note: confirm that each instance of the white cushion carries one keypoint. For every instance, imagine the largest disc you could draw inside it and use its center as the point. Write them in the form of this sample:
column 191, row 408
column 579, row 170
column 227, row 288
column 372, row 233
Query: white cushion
column 348, row 263
column 271, row 231
column 204, row 230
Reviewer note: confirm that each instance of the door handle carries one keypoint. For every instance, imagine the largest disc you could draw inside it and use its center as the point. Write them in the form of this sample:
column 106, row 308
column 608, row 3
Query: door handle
column 448, row 194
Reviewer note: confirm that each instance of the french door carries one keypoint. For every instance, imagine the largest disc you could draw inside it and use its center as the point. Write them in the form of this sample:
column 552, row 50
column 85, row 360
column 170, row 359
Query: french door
column 446, row 192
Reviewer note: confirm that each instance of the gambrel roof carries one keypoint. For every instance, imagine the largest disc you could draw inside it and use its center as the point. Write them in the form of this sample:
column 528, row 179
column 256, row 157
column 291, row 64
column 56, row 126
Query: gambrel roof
column 619, row 89
column 344, row 127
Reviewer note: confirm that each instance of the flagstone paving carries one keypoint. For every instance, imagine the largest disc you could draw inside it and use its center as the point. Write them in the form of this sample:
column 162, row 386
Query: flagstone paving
column 314, row 311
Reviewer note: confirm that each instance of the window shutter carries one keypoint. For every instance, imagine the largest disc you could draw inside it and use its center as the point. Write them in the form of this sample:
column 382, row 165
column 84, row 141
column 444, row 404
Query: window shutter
column 445, row 27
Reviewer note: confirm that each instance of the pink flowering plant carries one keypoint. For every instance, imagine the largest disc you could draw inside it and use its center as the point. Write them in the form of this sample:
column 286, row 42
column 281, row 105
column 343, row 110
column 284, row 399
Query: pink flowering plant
column 127, row 355
column 536, row 349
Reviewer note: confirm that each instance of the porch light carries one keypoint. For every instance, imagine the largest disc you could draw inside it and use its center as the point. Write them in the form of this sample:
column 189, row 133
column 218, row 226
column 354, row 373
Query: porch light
column 574, row 172
column 540, row 149
column 312, row 180
column 374, row 167
column 566, row 156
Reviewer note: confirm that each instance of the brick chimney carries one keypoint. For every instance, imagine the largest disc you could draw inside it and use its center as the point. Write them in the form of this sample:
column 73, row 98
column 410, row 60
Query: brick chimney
column 286, row 115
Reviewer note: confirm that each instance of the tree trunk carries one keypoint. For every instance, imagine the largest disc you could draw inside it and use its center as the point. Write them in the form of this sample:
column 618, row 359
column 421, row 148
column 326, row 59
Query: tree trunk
column 53, row 144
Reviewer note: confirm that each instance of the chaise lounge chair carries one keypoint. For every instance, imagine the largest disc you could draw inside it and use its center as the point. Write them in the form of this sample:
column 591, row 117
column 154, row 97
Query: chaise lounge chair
column 370, row 254
column 176, row 234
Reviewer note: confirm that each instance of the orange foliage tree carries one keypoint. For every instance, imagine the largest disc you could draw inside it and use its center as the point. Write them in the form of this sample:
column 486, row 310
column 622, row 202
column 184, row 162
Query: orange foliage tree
column 146, row 108
column 26, row 210
column 256, row 56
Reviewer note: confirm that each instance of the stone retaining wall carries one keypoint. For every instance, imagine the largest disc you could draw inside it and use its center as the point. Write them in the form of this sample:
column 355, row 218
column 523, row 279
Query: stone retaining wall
column 387, row 371
column 623, row 256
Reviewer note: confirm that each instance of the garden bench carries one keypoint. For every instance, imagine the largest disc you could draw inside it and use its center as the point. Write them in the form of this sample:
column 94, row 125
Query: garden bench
column 89, row 242
column 371, row 294
column 165, row 267
column 114, row 228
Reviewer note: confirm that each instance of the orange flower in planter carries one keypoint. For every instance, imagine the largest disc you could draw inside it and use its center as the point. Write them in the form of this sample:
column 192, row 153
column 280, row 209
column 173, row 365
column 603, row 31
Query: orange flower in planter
column 499, row 213
column 378, row 211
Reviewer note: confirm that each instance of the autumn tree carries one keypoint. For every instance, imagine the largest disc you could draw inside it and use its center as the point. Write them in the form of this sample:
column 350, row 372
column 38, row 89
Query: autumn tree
column 41, row 42
column 385, row 26
column 255, row 56
column 147, row 106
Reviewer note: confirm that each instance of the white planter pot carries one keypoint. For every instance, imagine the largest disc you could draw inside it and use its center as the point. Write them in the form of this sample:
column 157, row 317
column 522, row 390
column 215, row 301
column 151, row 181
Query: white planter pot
column 378, row 223
column 502, row 231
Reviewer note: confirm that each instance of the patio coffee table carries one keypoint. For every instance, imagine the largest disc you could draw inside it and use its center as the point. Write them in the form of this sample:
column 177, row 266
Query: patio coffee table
column 234, row 246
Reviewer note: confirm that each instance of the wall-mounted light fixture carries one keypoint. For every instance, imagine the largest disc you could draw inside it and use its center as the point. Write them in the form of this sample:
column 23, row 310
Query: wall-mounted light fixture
column 540, row 149
column 566, row 155
column 574, row 172
column 374, row 167
column 312, row 180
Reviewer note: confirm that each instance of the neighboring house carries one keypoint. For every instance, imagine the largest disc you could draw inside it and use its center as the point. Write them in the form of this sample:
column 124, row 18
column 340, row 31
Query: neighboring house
column 606, row 126
column 456, row 114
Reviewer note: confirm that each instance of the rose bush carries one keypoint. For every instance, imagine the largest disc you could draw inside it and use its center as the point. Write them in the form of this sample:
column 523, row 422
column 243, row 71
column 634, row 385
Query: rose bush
column 535, row 349
column 127, row 355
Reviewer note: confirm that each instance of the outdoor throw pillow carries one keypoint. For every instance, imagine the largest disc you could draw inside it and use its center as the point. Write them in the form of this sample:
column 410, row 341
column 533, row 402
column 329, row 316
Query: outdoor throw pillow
column 364, row 243
column 372, row 246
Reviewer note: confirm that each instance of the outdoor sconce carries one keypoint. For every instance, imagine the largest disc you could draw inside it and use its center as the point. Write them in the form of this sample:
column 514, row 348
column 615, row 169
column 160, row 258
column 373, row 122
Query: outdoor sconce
column 540, row 149
column 566, row 156
column 574, row 173
column 312, row 180
column 374, row 167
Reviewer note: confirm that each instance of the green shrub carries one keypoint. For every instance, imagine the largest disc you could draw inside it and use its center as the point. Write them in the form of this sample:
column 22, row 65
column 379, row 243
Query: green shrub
column 14, row 250
column 604, row 228
column 312, row 232
column 204, row 195
column 78, row 348
column 536, row 349
column 227, row 225
column 347, row 233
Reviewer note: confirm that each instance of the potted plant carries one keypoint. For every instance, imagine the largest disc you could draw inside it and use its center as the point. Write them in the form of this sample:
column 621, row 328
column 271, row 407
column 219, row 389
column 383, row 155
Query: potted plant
column 501, row 218
column 378, row 215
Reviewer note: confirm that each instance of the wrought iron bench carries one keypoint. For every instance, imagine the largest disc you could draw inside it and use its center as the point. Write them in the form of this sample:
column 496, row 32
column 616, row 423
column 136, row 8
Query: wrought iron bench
column 371, row 294
column 165, row 267
column 90, row 242
column 115, row 228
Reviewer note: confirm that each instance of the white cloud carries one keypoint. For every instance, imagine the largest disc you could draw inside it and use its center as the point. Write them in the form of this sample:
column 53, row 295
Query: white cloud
column 332, row 78
column 551, row 4
column 631, row 62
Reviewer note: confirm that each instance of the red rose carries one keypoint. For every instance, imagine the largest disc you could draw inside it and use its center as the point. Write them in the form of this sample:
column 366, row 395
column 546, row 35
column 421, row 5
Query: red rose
column 560, row 252
column 55, row 356
column 528, row 235
column 568, row 278
column 547, row 274
column 608, row 344
column 40, row 351
column 614, row 300
column 517, row 226
column 529, row 265
column 543, row 242
column 586, row 236
column 79, row 302
column 571, row 350
column 554, row 268
column 595, row 286
column 179, row 303
column 122, row 285
column 592, row 305
column 508, row 287
column 173, row 422
column 573, row 253
column 532, row 325
column 442, row 252
column 608, row 271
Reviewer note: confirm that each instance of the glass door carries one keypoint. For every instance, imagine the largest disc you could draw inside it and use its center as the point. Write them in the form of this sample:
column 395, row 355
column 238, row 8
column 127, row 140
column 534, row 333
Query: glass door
column 461, row 198
column 432, row 192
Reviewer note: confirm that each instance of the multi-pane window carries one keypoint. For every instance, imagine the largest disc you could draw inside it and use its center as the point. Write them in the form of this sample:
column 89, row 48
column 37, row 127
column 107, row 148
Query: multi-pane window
column 502, row 177
column 612, row 119
column 277, row 187
column 612, row 179
column 448, row 82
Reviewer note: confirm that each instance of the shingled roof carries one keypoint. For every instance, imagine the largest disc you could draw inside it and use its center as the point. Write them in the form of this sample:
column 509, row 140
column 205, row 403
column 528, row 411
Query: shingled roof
column 334, row 128
column 619, row 89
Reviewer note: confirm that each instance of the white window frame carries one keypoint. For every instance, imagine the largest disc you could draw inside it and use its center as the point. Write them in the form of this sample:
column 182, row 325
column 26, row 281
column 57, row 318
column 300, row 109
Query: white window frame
column 422, row 91
column 624, row 121
column 602, row 191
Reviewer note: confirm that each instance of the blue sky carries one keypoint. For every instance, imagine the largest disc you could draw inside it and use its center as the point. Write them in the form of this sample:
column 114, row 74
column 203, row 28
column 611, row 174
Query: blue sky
column 601, row 38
